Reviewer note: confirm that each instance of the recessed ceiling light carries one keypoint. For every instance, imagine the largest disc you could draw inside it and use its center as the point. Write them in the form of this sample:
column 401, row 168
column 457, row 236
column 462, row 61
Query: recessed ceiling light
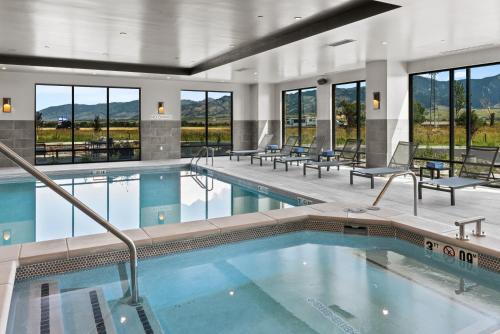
column 4, row 68
column 260, row 16
column 298, row 17
column 169, row 77
column 384, row 43
column 123, row 33
column 442, row 41
column 254, row 73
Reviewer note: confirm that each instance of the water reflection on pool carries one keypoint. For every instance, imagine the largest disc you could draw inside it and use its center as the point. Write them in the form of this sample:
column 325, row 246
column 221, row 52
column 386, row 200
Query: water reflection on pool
column 29, row 211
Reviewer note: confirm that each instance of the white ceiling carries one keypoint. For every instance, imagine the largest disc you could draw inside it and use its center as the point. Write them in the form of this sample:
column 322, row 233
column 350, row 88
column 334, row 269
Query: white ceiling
column 185, row 32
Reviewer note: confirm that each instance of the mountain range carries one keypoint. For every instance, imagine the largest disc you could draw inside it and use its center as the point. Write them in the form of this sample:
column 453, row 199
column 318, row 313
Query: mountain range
column 488, row 87
column 87, row 112
column 220, row 108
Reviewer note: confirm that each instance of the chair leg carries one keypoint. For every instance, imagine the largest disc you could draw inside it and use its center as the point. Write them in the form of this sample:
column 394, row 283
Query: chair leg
column 372, row 182
column 304, row 168
column 251, row 159
column 319, row 172
column 351, row 178
column 452, row 192
column 261, row 161
column 419, row 191
column 230, row 157
column 274, row 164
column 238, row 158
column 286, row 166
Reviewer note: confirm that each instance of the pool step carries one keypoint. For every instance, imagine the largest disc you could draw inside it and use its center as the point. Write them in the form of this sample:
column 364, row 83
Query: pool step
column 44, row 309
column 135, row 319
column 87, row 311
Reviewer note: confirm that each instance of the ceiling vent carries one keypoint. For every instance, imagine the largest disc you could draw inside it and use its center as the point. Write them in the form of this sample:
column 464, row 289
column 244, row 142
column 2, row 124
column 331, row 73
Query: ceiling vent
column 243, row 69
column 342, row 42
column 471, row 48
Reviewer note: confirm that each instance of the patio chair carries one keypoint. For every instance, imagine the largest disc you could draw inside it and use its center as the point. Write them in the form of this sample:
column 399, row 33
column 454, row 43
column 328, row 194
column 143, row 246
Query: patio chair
column 347, row 157
column 313, row 154
column 261, row 148
column 285, row 151
column 477, row 170
column 401, row 160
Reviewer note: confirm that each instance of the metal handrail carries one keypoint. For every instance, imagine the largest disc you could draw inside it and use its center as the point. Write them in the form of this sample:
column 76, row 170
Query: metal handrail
column 42, row 177
column 388, row 183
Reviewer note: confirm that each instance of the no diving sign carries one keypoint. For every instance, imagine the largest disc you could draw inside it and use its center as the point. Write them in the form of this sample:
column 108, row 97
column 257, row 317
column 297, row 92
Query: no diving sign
column 450, row 250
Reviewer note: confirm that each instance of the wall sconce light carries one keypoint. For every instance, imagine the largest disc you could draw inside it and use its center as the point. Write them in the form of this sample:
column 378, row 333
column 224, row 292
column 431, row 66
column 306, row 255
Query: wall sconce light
column 161, row 217
column 6, row 236
column 7, row 105
column 376, row 100
column 161, row 107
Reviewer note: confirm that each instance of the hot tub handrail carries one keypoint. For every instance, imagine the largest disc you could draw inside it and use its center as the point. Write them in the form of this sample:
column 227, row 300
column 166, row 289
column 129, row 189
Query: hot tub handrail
column 388, row 183
column 42, row 177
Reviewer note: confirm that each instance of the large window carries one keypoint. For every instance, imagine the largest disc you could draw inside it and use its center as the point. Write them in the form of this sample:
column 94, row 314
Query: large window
column 453, row 109
column 349, row 112
column 206, row 120
column 78, row 124
column 299, row 114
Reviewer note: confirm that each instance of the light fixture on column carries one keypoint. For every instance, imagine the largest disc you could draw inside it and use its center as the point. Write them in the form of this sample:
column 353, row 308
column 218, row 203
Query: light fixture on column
column 161, row 107
column 6, row 236
column 376, row 100
column 7, row 105
column 161, row 217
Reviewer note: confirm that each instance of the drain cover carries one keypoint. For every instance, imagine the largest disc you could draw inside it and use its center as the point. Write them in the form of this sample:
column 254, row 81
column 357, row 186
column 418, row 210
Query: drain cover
column 355, row 210
column 373, row 208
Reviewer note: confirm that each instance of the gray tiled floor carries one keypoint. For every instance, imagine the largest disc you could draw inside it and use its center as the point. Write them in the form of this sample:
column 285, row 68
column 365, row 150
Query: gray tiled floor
column 334, row 187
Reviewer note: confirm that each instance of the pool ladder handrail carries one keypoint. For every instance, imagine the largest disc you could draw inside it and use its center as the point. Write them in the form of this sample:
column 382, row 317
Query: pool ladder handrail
column 461, row 227
column 42, row 177
column 388, row 183
column 193, row 169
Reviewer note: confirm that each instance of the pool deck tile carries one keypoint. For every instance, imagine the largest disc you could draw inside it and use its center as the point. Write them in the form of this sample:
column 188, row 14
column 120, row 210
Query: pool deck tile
column 291, row 214
column 104, row 242
column 169, row 232
column 244, row 221
column 9, row 253
column 5, row 299
column 8, row 272
column 43, row 251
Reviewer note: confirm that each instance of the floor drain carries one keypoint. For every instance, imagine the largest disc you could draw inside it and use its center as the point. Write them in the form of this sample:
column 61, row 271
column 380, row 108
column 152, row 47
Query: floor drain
column 373, row 208
column 355, row 210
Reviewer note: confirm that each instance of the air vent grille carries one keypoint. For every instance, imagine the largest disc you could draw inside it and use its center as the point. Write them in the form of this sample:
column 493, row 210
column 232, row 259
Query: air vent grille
column 342, row 42
column 471, row 48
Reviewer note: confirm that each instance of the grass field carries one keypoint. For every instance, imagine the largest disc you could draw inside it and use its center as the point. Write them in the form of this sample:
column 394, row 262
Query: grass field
column 50, row 135
column 197, row 134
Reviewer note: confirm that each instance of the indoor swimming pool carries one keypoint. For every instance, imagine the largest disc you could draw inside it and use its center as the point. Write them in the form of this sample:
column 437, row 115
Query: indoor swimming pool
column 32, row 212
column 302, row 282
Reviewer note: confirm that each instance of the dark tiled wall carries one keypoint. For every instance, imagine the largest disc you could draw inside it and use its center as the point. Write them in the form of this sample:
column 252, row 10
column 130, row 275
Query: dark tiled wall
column 20, row 136
column 160, row 139
column 245, row 134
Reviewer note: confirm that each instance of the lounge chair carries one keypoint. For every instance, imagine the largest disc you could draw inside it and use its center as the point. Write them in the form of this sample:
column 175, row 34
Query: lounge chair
column 285, row 151
column 477, row 170
column 312, row 154
column 401, row 160
column 347, row 157
column 262, row 148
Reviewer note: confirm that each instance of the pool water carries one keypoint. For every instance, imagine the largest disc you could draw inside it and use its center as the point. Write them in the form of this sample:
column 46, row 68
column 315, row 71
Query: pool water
column 304, row 282
column 29, row 211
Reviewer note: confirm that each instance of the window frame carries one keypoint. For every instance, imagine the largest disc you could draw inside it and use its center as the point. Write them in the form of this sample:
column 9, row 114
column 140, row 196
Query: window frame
column 299, row 106
column 468, row 109
column 73, row 122
column 358, row 109
column 206, row 116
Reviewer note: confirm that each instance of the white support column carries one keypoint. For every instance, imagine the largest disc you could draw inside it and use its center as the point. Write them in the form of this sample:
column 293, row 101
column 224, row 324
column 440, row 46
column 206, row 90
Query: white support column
column 388, row 125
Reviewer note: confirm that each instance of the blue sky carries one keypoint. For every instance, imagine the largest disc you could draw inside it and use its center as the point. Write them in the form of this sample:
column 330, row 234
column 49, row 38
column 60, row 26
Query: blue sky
column 476, row 73
column 47, row 96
